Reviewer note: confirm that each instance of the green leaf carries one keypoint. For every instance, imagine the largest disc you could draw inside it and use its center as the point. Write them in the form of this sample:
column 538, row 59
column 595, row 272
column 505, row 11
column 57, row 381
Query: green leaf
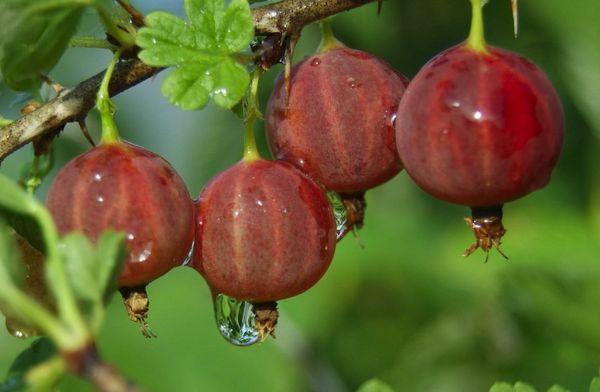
column 502, row 387
column 595, row 385
column 523, row 387
column 111, row 254
column 518, row 387
column 204, row 50
column 35, row 35
column 191, row 85
column 39, row 352
column 236, row 29
column 18, row 208
column 11, row 268
column 557, row 388
column 80, row 265
column 375, row 385
column 93, row 271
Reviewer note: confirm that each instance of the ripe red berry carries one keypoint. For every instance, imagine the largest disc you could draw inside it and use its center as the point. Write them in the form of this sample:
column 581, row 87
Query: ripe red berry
column 127, row 188
column 480, row 128
column 337, row 123
column 265, row 232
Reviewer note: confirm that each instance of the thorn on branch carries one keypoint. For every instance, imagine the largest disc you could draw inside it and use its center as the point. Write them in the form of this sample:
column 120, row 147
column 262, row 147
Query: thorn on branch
column 85, row 131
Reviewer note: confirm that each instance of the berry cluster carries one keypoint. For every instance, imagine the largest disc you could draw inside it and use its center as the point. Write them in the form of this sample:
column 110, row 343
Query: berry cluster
column 478, row 126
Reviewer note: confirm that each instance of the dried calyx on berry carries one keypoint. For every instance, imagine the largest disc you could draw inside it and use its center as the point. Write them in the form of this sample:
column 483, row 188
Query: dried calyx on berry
column 265, row 232
column 336, row 121
column 480, row 126
column 120, row 186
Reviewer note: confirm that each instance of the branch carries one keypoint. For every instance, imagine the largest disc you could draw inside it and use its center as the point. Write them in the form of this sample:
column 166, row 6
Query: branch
column 283, row 19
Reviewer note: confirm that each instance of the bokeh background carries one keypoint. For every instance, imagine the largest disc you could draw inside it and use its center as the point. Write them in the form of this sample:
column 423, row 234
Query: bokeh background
column 406, row 308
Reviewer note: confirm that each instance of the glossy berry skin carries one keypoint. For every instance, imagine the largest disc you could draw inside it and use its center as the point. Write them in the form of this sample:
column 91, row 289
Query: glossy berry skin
column 338, row 126
column 265, row 231
column 480, row 129
column 123, row 187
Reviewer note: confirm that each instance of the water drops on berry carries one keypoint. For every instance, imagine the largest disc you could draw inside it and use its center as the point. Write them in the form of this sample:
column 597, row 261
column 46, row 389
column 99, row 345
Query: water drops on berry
column 236, row 321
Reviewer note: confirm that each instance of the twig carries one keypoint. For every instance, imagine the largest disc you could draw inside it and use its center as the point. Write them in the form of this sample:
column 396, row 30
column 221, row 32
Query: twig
column 87, row 364
column 281, row 20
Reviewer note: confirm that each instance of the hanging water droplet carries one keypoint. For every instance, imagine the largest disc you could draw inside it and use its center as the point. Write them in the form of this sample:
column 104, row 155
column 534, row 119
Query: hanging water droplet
column 236, row 321
column 190, row 255
column 339, row 213
column 20, row 330
column 316, row 61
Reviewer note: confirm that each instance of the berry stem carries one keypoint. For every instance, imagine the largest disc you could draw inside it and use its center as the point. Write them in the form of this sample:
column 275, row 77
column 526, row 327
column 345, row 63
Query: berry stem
column 110, row 133
column 476, row 40
column 328, row 40
column 251, row 114
column 91, row 42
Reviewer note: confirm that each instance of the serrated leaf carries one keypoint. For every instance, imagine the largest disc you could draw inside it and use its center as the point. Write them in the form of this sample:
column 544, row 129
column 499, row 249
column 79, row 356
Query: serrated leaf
column 234, row 34
column 35, row 35
column 191, row 85
column 80, row 264
column 170, row 39
column 204, row 50
column 92, row 271
column 230, row 80
column 375, row 385
column 110, row 252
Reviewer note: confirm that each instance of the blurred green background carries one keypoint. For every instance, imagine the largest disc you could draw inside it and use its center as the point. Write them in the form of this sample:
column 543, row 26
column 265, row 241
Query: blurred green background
column 407, row 308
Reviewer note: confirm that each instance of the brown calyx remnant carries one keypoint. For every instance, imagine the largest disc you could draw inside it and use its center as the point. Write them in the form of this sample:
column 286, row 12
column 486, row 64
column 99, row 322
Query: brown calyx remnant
column 137, row 305
column 355, row 211
column 486, row 223
column 266, row 316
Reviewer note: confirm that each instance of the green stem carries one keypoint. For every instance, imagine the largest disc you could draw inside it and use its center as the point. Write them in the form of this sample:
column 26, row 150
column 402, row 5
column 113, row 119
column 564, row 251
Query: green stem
column 91, row 42
column 29, row 310
column 56, row 276
column 126, row 39
column 4, row 121
column 476, row 40
column 252, row 113
column 46, row 375
column 328, row 40
column 110, row 133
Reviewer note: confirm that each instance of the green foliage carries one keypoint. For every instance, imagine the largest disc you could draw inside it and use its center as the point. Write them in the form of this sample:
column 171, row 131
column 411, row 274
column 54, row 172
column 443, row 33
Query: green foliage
column 34, row 36
column 39, row 352
column 11, row 269
column 17, row 208
column 93, row 272
column 204, row 49
column 375, row 385
column 595, row 385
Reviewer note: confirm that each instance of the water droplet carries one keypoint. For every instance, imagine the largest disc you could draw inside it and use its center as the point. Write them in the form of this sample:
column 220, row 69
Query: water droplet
column 339, row 213
column 221, row 91
column 20, row 330
column 316, row 61
column 236, row 321
column 190, row 255
column 352, row 83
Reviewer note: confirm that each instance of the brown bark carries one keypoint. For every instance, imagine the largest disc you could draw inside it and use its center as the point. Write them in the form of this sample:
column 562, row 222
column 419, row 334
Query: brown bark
column 280, row 20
